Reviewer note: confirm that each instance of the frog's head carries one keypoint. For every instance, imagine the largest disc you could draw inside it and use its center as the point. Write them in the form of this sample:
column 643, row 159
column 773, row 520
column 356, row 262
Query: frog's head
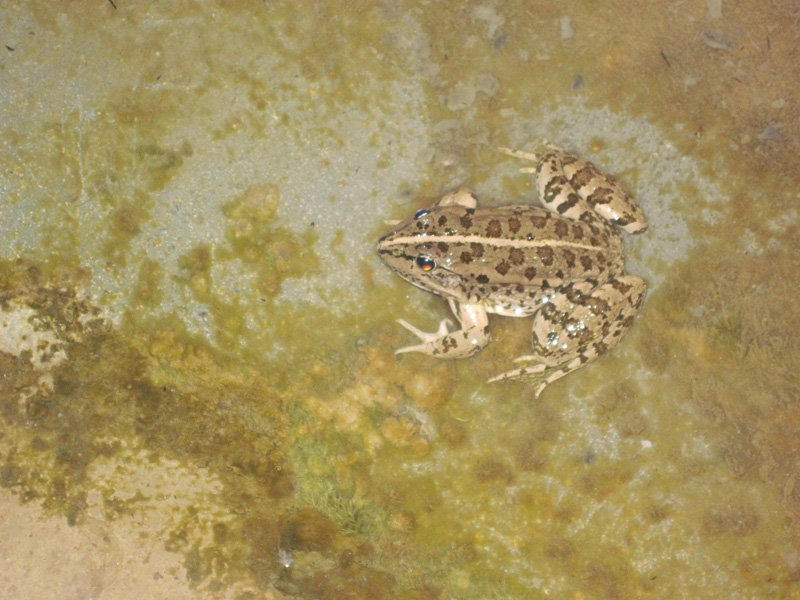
column 415, row 251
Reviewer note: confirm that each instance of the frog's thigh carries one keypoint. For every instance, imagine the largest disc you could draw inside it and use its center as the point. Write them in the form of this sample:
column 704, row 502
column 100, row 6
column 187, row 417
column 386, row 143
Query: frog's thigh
column 582, row 321
column 604, row 194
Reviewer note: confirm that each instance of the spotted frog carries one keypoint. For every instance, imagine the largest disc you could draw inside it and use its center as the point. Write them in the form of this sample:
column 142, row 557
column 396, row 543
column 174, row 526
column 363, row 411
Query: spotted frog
column 562, row 263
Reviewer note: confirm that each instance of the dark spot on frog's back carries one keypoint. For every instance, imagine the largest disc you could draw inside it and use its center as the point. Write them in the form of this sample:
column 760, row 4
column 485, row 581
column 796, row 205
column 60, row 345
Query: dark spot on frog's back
column 561, row 229
column 577, row 231
column 586, row 263
column 443, row 246
column 530, row 273
column 503, row 267
column 538, row 221
column 569, row 258
column 514, row 225
column 466, row 221
column 516, row 256
column 466, row 258
column 476, row 250
column 482, row 279
column 545, row 255
column 442, row 221
column 494, row 229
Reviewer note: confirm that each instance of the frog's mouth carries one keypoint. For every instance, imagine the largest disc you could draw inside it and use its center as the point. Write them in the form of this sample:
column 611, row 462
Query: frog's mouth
column 447, row 280
column 441, row 281
column 422, row 271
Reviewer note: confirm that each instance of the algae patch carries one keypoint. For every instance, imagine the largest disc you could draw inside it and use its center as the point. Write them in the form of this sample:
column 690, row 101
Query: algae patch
column 124, row 397
column 273, row 252
column 147, row 415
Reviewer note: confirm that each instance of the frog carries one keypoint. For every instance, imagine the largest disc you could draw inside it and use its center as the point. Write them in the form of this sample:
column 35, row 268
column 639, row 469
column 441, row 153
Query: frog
column 560, row 262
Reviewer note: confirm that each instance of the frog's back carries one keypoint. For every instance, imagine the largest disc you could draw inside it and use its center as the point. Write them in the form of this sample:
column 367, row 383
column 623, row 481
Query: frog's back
column 520, row 245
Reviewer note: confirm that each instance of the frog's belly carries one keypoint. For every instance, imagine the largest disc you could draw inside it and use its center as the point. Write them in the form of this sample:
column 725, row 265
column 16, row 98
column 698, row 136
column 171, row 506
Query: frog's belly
column 519, row 301
column 513, row 308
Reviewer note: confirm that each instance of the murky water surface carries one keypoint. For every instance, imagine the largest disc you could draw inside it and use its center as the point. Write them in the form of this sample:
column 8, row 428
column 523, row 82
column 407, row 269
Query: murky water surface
column 197, row 337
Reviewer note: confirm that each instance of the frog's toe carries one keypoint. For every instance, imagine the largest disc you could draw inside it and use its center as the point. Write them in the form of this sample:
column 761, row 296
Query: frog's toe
column 507, row 375
column 529, row 358
column 539, row 373
column 519, row 154
column 429, row 340
column 523, row 372
column 417, row 348
column 423, row 335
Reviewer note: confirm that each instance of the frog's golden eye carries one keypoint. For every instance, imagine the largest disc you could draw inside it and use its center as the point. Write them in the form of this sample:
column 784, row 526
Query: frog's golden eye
column 425, row 262
column 421, row 213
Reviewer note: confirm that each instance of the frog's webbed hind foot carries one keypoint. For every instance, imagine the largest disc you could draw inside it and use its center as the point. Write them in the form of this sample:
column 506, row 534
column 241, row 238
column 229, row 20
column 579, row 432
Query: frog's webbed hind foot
column 538, row 373
column 580, row 323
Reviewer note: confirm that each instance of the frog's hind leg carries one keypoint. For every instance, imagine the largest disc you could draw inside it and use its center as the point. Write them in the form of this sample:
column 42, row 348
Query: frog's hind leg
column 602, row 192
column 577, row 189
column 555, row 192
column 580, row 323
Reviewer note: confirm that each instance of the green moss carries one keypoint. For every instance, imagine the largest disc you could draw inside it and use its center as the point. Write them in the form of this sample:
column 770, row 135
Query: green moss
column 351, row 519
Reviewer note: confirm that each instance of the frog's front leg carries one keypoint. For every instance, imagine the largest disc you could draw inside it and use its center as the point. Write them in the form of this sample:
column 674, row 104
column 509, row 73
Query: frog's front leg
column 578, row 324
column 464, row 342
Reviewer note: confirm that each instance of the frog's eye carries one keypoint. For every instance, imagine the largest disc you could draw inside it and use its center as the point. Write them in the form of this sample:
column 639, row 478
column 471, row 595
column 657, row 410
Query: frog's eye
column 421, row 213
column 425, row 262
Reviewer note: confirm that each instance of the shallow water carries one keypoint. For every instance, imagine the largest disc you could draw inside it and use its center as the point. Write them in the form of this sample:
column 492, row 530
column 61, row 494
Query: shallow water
column 200, row 396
